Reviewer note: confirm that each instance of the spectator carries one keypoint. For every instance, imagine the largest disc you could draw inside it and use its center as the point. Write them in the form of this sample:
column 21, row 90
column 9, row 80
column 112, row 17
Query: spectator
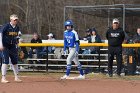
column 19, row 36
column 88, row 34
column 35, row 50
column 136, row 39
column 22, row 51
column 86, row 50
column 94, row 38
column 51, row 37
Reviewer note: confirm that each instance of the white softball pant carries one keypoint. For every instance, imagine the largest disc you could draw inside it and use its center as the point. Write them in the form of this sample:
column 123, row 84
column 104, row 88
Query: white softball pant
column 72, row 56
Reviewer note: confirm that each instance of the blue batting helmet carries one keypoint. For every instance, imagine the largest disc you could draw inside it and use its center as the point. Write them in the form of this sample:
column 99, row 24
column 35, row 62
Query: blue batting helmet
column 68, row 23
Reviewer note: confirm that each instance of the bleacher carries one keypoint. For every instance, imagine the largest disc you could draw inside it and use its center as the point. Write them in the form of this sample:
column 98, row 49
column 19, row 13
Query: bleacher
column 51, row 62
column 57, row 62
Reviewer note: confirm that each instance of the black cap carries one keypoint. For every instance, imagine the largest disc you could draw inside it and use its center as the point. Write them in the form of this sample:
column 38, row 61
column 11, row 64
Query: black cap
column 89, row 30
column 93, row 29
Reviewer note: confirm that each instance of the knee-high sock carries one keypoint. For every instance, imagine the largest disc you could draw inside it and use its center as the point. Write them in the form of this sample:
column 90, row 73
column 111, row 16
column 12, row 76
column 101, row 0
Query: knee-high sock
column 15, row 70
column 68, row 69
column 80, row 69
column 4, row 70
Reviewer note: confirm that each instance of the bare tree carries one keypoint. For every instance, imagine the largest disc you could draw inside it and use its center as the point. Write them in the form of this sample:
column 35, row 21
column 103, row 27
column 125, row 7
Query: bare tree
column 45, row 16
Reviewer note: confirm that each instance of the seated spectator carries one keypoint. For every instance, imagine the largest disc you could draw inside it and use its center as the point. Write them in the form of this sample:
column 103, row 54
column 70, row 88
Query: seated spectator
column 19, row 36
column 22, row 54
column 94, row 38
column 22, row 51
column 35, row 50
column 136, row 39
column 51, row 37
column 86, row 50
column 88, row 34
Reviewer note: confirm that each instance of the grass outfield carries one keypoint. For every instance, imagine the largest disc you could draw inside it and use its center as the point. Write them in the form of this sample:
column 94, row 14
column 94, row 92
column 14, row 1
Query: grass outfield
column 88, row 76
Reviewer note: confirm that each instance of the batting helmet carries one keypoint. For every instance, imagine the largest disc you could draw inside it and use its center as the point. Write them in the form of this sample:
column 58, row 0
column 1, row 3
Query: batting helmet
column 68, row 23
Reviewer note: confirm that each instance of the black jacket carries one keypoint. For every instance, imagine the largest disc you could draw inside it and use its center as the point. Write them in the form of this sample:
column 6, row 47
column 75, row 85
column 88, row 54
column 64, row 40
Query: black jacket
column 97, row 39
column 115, row 37
column 136, row 38
column 36, row 41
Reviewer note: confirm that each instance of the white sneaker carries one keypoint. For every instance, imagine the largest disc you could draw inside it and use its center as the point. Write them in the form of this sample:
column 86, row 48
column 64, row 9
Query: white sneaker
column 64, row 77
column 80, row 77
column 18, row 80
column 4, row 81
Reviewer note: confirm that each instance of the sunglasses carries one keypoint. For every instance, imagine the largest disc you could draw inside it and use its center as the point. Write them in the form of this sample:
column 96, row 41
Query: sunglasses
column 15, row 20
column 115, row 23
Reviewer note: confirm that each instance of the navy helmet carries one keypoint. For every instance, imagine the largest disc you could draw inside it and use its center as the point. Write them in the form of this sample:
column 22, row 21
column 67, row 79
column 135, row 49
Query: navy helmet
column 68, row 23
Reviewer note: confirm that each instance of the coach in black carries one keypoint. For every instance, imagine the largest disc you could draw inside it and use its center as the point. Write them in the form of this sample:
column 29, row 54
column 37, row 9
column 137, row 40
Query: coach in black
column 115, row 36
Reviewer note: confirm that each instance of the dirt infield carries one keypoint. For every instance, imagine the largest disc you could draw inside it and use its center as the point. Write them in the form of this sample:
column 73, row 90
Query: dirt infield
column 52, row 84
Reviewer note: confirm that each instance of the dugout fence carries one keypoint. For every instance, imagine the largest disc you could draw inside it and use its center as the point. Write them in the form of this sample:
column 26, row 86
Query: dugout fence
column 100, row 17
column 99, row 60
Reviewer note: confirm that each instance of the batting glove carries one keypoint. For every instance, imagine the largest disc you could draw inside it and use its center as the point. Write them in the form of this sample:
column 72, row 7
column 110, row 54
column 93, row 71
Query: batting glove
column 65, row 53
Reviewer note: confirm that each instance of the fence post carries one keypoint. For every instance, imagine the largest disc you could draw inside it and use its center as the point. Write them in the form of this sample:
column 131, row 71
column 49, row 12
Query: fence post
column 47, row 60
column 99, row 58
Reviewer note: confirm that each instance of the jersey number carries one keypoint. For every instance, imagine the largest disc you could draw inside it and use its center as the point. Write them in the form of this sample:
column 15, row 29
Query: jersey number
column 68, row 40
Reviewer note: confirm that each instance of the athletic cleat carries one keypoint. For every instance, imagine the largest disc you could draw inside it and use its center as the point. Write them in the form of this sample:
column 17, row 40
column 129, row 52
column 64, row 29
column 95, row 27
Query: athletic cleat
column 4, row 81
column 18, row 80
column 80, row 77
column 64, row 77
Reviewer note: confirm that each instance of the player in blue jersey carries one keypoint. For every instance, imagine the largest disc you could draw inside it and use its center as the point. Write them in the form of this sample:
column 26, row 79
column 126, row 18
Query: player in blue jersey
column 71, row 42
column 8, row 47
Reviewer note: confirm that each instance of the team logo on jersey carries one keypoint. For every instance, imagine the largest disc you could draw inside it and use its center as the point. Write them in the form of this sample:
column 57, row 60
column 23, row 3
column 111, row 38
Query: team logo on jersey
column 115, row 34
column 12, row 33
column 68, row 37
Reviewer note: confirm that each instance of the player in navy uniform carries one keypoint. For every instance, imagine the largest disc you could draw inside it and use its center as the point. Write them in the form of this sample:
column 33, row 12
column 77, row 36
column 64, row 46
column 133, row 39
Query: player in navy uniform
column 8, row 46
column 71, row 42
